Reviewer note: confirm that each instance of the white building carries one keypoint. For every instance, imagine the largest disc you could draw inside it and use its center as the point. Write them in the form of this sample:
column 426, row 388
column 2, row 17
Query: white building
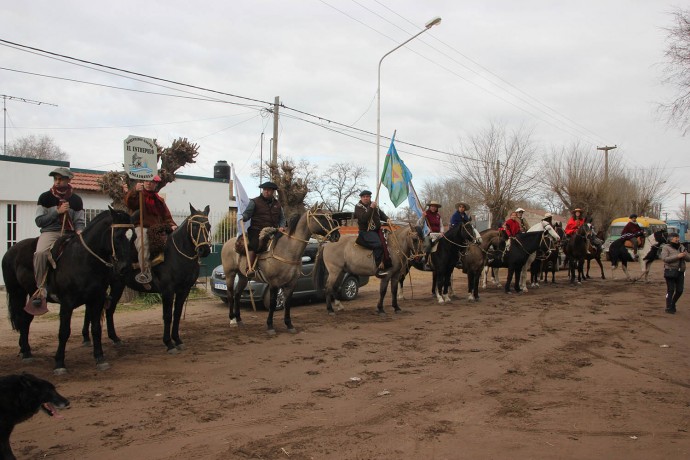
column 22, row 180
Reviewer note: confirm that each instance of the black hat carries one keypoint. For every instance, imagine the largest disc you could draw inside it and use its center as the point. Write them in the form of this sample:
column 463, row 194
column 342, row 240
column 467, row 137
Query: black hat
column 62, row 171
column 633, row 216
column 365, row 193
column 269, row 185
column 673, row 235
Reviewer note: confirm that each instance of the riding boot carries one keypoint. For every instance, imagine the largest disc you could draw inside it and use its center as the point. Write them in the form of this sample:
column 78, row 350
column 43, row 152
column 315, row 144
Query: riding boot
column 381, row 270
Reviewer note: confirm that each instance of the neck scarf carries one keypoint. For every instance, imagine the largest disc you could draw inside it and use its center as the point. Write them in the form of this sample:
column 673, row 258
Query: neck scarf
column 64, row 193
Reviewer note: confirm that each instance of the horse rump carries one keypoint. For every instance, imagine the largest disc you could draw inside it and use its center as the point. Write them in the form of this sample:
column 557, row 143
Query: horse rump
column 21, row 396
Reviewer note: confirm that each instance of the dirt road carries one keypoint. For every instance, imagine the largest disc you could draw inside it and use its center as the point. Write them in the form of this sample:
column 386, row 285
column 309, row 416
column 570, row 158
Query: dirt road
column 597, row 371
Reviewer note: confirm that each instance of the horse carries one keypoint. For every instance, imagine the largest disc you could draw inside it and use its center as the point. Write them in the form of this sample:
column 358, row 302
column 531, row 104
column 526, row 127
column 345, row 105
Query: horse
column 446, row 256
column 84, row 265
column 173, row 278
column 597, row 246
column 473, row 262
column 647, row 254
column 576, row 251
column 521, row 247
column 540, row 254
column 335, row 258
column 279, row 266
column 540, row 268
column 490, row 240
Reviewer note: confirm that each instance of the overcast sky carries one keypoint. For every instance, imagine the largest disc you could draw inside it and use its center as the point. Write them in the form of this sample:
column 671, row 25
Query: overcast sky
column 587, row 71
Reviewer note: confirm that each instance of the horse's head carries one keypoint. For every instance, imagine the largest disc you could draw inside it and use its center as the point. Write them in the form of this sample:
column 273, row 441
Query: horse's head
column 320, row 222
column 415, row 243
column 199, row 230
column 120, row 240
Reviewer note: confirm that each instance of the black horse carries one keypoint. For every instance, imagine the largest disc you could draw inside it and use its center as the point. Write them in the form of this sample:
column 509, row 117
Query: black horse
column 516, row 256
column 85, row 265
column 595, row 253
column 549, row 263
column 173, row 278
column 648, row 253
column 576, row 251
column 446, row 256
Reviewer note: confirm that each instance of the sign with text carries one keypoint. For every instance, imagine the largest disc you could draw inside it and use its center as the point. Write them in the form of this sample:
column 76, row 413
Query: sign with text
column 141, row 158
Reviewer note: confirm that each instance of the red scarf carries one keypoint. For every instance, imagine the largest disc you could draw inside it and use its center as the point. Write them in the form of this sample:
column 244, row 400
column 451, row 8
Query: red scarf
column 154, row 205
column 64, row 193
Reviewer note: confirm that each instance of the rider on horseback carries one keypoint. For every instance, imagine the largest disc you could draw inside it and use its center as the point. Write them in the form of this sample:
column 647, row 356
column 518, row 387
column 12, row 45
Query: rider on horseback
column 575, row 222
column 369, row 218
column 434, row 221
column 59, row 211
column 511, row 228
column 264, row 211
column 631, row 232
column 524, row 226
column 155, row 214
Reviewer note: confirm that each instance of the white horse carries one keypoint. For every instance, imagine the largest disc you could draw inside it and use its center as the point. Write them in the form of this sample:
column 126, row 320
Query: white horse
column 542, row 226
column 618, row 253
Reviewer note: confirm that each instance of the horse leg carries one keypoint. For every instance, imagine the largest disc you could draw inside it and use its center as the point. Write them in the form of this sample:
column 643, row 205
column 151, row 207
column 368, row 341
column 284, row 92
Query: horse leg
column 16, row 300
column 110, row 305
column 330, row 297
column 287, row 292
column 601, row 266
column 168, row 298
column 394, row 294
column 587, row 272
column 95, row 310
column 63, row 336
column 438, row 285
column 509, row 279
column 518, row 275
column 383, row 288
column 234, row 299
column 180, row 299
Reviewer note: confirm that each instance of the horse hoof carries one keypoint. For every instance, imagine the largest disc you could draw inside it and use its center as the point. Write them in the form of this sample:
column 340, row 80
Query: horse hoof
column 292, row 330
column 381, row 314
column 27, row 359
column 59, row 371
column 399, row 310
column 271, row 332
column 180, row 346
column 173, row 351
column 86, row 343
column 118, row 343
column 331, row 313
column 104, row 366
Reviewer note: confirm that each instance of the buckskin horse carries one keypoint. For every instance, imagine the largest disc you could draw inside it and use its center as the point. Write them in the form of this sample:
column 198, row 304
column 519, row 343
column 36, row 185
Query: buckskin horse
column 334, row 259
column 173, row 278
column 85, row 264
column 280, row 265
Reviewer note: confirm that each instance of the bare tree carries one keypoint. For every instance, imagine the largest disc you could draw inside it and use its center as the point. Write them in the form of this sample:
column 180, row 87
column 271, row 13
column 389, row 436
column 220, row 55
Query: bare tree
column 340, row 185
column 448, row 191
column 497, row 164
column 677, row 70
column 37, row 147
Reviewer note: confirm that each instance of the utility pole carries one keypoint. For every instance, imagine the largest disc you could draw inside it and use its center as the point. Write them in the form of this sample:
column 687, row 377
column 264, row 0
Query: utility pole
column 685, row 206
column 5, row 97
column 606, row 160
column 274, row 154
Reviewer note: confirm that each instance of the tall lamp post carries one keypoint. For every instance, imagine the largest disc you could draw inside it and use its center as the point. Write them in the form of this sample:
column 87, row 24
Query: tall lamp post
column 427, row 26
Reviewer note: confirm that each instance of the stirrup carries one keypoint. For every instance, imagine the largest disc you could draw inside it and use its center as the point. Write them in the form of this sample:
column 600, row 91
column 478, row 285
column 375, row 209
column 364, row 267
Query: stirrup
column 251, row 274
column 143, row 278
column 159, row 259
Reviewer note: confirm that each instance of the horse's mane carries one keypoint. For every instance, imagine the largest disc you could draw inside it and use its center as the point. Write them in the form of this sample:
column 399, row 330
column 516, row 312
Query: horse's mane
column 292, row 223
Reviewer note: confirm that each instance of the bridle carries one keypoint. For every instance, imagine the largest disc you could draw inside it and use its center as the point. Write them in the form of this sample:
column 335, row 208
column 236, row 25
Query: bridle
column 200, row 237
column 314, row 216
column 113, row 256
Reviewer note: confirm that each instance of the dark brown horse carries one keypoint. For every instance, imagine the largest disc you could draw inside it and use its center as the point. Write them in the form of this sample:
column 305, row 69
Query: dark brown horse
column 595, row 253
column 576, row 251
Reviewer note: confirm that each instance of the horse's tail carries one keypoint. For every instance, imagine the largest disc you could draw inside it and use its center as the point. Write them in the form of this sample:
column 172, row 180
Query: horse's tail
column 319, row 272
column 16, row 295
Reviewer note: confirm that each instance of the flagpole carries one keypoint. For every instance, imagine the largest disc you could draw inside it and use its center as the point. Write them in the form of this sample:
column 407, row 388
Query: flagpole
column 419, row 203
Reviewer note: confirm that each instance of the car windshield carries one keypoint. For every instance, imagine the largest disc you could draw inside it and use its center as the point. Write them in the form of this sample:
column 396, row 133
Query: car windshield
column 615, row 231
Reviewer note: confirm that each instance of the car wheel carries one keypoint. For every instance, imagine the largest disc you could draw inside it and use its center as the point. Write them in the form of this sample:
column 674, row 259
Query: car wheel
column 349, row 288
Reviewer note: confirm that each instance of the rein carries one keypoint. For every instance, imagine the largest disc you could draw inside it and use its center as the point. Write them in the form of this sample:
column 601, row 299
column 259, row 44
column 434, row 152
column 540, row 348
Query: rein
column 196, row 239
column 112, row 244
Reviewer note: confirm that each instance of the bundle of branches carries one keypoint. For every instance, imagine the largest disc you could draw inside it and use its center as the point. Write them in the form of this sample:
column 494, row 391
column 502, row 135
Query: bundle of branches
column 116, row 183
column 291, row 190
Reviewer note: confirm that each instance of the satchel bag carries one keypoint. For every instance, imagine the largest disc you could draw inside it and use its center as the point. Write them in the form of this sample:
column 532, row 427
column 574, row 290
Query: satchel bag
column 671, row 273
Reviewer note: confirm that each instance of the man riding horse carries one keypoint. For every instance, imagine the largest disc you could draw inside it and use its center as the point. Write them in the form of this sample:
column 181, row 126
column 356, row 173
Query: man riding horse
column 369, row 218
column 631, row 232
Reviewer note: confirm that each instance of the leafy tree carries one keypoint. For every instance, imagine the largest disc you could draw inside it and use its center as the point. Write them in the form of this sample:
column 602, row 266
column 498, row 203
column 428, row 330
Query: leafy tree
column 37, row 147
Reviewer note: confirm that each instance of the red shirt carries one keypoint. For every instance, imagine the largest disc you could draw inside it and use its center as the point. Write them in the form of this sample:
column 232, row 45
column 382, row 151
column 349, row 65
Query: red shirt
column 573, row 225
column 512, row 227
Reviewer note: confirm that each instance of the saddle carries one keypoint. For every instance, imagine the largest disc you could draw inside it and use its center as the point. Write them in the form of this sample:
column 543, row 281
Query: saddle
column 640, row 242
column 57, row 249
column 266, row 236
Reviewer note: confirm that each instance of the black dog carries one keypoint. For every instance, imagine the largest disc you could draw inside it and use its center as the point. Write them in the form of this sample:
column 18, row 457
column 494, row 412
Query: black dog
column 20, row 398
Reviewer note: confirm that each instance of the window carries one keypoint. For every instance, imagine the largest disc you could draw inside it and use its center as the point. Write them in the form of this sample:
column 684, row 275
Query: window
column 11, row 225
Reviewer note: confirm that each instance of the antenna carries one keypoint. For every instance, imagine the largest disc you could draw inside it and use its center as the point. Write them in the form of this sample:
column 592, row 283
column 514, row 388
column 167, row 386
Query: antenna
column 5, row 97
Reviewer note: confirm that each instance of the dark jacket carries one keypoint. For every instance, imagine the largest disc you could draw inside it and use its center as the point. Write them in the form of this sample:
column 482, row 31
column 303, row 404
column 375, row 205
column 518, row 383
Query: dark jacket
column 365, row 214
column 47, row 217
column 264, row 213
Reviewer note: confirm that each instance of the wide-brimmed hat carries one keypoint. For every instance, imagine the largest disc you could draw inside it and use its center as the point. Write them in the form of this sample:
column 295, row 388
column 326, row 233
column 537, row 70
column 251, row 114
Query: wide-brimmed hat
column 548, row 215
column 519, row 210
column 365, row 193
column 577, row 209
column 633, row 216
column 434, row 203
column 269, row 185
column 462, row 203
column 62, row 171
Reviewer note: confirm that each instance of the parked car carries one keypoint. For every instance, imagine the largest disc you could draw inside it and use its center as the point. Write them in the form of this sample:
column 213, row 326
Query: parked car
column 304, row 291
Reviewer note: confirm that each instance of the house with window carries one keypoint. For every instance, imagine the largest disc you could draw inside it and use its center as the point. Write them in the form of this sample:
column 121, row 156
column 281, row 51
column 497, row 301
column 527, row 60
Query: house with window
column 22, row 180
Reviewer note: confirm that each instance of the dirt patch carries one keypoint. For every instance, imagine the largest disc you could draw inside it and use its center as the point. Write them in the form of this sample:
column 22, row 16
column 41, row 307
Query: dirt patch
column 595, row 371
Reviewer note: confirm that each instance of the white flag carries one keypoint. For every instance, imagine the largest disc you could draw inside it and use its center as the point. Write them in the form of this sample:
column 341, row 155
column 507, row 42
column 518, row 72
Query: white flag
column 242, row 201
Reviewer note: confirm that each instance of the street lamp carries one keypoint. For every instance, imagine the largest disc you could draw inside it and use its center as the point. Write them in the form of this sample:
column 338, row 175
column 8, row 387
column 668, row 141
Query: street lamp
column 427, row 26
